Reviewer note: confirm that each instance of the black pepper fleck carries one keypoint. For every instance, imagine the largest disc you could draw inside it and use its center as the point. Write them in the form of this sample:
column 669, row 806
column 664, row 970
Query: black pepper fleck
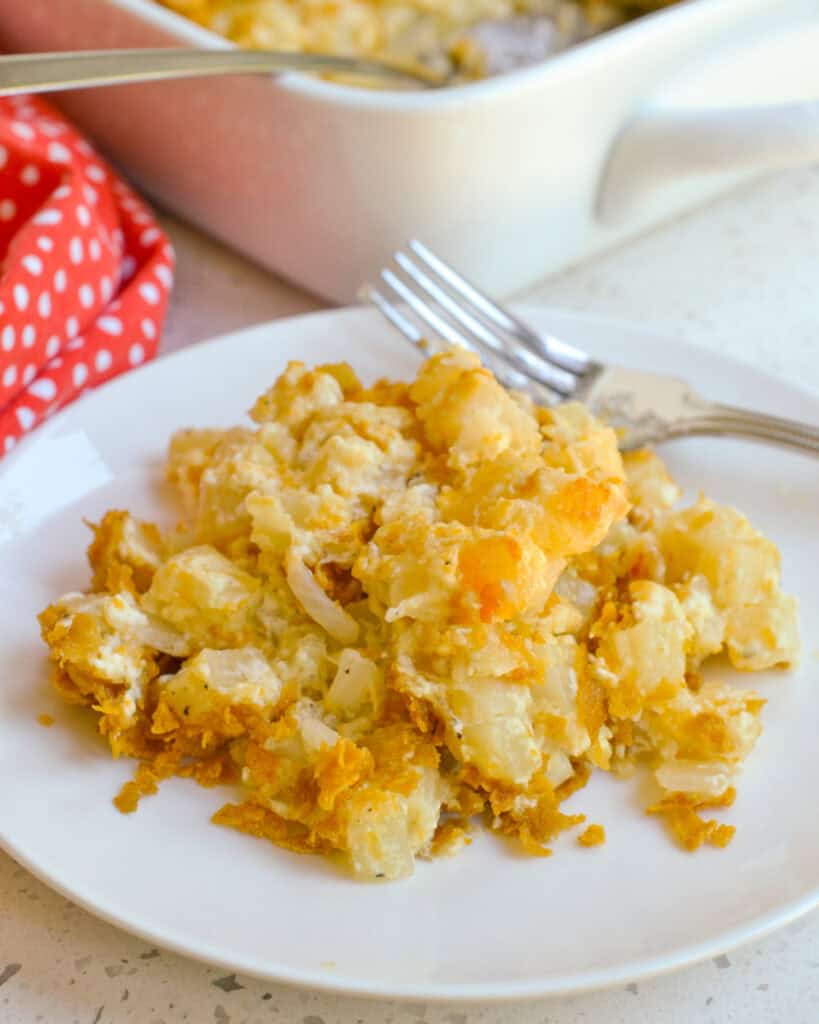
column 227, row 984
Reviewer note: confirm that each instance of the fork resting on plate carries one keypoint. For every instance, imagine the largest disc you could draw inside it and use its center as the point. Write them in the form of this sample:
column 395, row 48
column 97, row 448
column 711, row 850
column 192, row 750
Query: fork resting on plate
column 425, row 298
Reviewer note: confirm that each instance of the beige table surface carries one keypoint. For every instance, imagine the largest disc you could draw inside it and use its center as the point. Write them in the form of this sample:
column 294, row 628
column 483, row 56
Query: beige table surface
column 739, row 276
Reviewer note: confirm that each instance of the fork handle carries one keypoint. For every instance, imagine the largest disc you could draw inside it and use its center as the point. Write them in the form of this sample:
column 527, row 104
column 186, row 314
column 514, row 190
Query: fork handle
column 730, row 421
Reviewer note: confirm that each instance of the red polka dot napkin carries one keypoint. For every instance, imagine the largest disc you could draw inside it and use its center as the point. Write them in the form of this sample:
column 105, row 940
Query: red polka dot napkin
column 86, row 271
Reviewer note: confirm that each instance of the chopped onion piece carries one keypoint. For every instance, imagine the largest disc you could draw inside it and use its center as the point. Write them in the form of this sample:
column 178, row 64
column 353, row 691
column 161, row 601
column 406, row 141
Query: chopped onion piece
column 707, row 779
column 357, row 683
column 321, row 608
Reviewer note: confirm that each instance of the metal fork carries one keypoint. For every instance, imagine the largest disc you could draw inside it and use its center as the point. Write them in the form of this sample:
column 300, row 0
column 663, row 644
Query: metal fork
column 427, row 300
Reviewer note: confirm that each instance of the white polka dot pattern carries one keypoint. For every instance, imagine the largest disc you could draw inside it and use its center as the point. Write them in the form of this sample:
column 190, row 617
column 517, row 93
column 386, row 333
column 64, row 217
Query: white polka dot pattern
column 87, row 271
column 110, row 325
column 22, row 131
column 164, row 275
column 44, row 388
column 103, row 360
column 48, row 217
column 30, row 174
column 58, row 154
column 25, row 417
column 149, row 292
column 33, row 264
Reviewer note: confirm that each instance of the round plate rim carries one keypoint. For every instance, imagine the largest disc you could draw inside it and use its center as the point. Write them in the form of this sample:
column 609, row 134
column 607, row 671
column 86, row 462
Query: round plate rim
column 494, row 992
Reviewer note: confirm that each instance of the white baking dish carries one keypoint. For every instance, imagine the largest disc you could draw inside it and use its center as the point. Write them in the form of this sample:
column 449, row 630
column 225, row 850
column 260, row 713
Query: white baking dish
column 510, row 178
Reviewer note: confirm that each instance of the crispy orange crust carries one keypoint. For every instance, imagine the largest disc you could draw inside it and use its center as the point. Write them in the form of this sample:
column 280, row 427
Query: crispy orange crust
column 485, row 567
column 679, row 811
column 533, row 827
column 146, row 781
column 338, row 768
column 594, row 835
column 592, row 706
column 113, row 570
column 450, row 837
column 263, row 823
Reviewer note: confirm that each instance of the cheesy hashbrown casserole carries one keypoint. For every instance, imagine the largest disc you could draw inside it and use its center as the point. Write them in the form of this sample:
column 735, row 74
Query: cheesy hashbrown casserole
column 392, row 609
column 429, row 32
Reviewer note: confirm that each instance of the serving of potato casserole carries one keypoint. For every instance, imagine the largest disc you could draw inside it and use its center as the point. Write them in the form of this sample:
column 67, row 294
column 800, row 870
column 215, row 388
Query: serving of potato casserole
column 391, row 611
column 431, row 32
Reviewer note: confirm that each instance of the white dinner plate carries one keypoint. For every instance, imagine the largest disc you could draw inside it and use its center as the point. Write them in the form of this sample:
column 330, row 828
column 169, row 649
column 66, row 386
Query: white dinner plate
column 489, row 923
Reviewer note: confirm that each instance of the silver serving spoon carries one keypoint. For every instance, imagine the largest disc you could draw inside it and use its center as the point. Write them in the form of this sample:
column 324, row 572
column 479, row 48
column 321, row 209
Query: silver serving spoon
column 55, row 72
column 507, row 44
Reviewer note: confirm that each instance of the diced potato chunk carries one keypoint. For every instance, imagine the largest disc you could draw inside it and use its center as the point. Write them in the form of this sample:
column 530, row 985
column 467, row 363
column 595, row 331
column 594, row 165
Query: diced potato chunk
column 707, row 622
column 580, row 443
column 213, row 679
column 650, row 486
column 648, row 653
column 492, row 729
column 297, row 394
column 190, row 452
column 204, row 595
column 378, row 835
column 760, row 636
column 125, row 553
column 741, row 566
column 466, row 412
column 717, row 723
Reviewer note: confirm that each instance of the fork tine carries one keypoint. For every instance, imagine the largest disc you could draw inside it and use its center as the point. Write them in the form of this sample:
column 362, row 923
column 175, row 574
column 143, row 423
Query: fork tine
column 424, row 312
column 394, row 315
column 507, row 376
column 506, row 367
column 522, row 360
column 563, row 355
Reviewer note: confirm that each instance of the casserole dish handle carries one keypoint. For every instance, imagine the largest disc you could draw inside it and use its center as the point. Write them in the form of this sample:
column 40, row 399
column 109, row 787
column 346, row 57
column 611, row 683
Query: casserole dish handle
column 661, row 147
column 726, row 115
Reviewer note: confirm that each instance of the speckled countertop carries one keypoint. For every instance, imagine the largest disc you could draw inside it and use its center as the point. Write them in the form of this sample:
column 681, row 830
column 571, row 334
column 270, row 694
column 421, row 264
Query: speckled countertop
column 740, row 276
